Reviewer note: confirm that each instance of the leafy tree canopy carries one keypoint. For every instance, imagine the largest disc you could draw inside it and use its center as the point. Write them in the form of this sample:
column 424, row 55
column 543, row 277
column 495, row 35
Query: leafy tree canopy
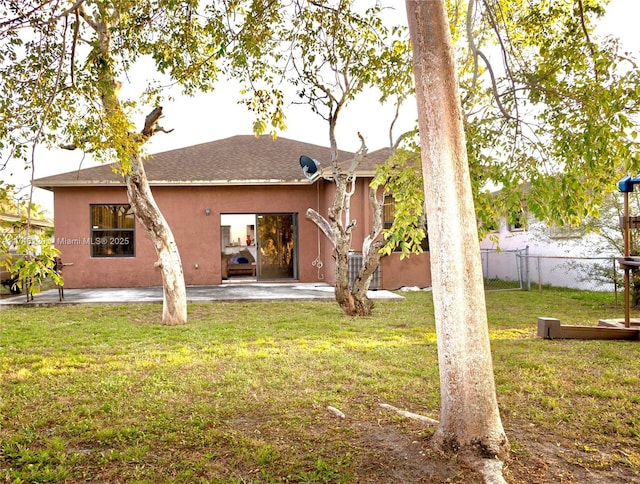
column 550, row 113
column 553, row 124
column 58, row 80
column 550, row 108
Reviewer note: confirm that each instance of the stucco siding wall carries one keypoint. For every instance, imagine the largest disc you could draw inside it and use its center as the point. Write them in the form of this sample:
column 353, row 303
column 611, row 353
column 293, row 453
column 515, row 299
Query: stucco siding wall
column 199, row 235
column 395, row 273
column 72, row 232
column 274, row 199
column 414, row 271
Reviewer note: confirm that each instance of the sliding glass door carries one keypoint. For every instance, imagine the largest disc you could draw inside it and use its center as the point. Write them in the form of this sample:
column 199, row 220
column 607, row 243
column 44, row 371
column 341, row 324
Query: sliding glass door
column 277, row 247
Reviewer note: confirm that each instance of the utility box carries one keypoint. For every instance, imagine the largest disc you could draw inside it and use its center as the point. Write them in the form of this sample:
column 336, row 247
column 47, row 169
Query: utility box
column 356, row 259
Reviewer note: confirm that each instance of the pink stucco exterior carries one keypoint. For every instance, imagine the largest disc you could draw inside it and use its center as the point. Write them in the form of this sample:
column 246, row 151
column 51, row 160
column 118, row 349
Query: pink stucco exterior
column 198, row 235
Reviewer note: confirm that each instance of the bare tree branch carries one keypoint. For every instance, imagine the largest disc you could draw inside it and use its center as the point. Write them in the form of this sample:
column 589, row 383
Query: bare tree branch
column 322, row 223
column 87, row 18
column 476, row 52
column 411, row 415
column 360, row 154
column 587, row 38
column 151, row 126
column 25, row 16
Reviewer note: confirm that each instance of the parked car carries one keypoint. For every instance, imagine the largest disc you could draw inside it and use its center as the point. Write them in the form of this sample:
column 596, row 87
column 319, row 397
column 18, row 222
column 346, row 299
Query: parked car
column 6, row 277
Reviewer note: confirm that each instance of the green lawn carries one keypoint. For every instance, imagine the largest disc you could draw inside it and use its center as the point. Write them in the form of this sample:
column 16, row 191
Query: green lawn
column 240, row 394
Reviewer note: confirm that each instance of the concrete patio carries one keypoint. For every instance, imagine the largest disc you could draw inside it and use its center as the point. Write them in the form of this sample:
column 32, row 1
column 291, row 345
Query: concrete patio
column 223, row 292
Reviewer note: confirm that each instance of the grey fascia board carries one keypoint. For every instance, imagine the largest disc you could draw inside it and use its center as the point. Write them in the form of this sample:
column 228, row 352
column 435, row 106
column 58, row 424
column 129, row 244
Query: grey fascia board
column 190, row 183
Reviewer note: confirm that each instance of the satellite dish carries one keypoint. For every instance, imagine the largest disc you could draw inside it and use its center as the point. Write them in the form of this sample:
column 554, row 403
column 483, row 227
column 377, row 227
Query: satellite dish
column 309, row 166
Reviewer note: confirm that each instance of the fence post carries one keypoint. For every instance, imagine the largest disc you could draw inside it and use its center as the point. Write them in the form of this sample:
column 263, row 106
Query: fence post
column 528, row 268
column 615, row 280
column 539, row 275
column 486, row 265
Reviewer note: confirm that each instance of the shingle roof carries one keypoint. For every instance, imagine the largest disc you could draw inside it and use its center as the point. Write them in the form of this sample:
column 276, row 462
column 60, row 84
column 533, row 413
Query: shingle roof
column 12, row 219
column 241, row 159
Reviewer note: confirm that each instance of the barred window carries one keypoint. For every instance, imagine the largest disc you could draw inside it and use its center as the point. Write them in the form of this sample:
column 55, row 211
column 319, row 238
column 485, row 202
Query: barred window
column 112, row 231
column 389, row 209
column 389, row 215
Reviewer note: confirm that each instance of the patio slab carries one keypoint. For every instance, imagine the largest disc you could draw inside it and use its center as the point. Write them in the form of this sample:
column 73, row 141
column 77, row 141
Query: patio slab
column 223, row 292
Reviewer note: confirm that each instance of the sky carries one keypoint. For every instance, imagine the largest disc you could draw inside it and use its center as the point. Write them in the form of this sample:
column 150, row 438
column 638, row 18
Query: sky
column 218, row 115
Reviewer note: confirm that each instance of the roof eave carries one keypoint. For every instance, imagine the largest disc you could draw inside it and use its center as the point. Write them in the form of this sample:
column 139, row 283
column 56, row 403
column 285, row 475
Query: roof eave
column 52, row 184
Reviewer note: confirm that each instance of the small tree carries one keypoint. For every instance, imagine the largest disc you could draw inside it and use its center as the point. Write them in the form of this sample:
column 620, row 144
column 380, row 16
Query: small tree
column 62, row 66
column 336, row 53
column 26, row 252
column 607, row 238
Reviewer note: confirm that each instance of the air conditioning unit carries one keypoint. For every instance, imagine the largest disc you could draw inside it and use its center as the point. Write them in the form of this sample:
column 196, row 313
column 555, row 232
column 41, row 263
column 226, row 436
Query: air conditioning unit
column 355, row 264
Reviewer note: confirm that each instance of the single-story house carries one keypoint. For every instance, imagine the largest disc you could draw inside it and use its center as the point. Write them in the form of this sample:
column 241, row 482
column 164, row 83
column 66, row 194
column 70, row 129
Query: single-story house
column 236, row 207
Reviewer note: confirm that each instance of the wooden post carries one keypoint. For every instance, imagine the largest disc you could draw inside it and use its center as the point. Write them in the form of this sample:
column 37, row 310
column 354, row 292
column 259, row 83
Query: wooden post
column 549, row 328
column 627, row 252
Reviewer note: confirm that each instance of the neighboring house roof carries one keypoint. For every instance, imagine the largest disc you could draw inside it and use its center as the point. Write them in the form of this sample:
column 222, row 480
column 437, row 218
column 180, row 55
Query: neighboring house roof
column 13, row 219
column 239, row 160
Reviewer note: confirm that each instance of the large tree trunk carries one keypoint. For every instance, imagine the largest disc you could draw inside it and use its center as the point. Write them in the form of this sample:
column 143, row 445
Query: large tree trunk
column 174, row 308
column 469, row 420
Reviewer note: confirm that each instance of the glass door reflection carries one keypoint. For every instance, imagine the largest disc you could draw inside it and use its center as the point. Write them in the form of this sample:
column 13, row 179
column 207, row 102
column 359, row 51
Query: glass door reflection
column 276, row 246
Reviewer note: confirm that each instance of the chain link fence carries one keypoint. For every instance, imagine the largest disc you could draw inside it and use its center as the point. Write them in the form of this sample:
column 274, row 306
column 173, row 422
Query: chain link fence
column 520, row 270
